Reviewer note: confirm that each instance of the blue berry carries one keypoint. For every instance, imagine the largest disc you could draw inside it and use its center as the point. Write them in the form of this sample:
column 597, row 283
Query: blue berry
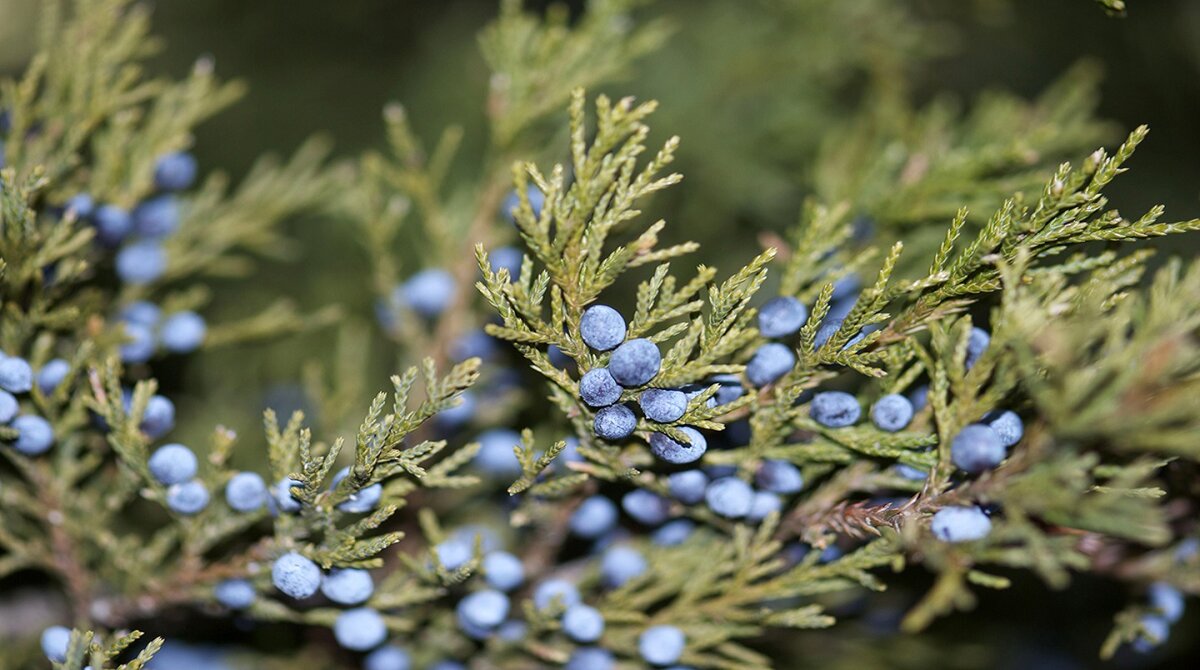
column 496, row 456
column 246, row 492
column 977, row 343
column 602, row 327
column 781, row 316
column 597, row 388
column 663, row 405
column 503, row 571
column 1167, row 600
column 674, row 452
column 919, row 397
column 960, row 524
column 156, row 217
column 763, row 504
column 661, row 645
column 183, row 332
column 591, row 658
column 141, row 313
column 583, row 623
column 429, row 292
column 82, row 204
column 772, row 361
column 779, row 477
column 159, row 417
column 594, row 517
column 453, row 417
column 187, row 498
column 829, row 327
column 846, row 287
column 282, row 492
column 976, row 448
column 730, row 389
column 113, row 224
column 892, row 412
column 673, row 533
column 175, row 171
column 9, row 407
column 236, row 594
column 361, row 501
column 141, row 262
column 473, row 344
column 555, row 591
column 1008, row 426
column 688, row 486
column 173, row 464
column 729, row 497
column 348, row 586
column 537, row 200
column 1156, row 630
column 635, row 362
column 454, row 552
column 388, row 657
column 296, row 575
column 646, row 507
column 911, row 473
column 16, row 375
column 52, row 374
column 834, row 409
column 508, row 258
column 35, row 435
column 360, row 629
column 55, row 641
column 621, row 564
column 139, row 344
column 615, row 422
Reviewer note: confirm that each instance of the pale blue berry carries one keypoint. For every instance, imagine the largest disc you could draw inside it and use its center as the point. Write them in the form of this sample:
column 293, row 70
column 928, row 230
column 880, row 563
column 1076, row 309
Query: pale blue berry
column 583, row 623
column 246, row 492
column 175, row 171
column 678, row 453
column 156, row 217
column 594, row 517
column 673, row 533
column 82, row 205
column 537, row 200
column 635, row 362
column 348, row 586
column 770, row 362
column 508, row 258
column 363, row 500
column 139, row 344
column 892, row 412
column 597, row 388
column 834, row 409
column 173, row 464
column 779, row 476
column 976, row 448
column 1008, row 426
column 1155, row 631
column 183, row 332
column 911, row 473
column 646, row 507
column 729, row 497
column 16, row 375
column 919, row 397
column 388, row 657
column 1167, row 600
column 296, row 575
column 187, row 498
column 661, row 645
column 688, row 486
column 663, row 405
column 159, row 417
column 113, row 224
column 621, row 564
column 473, row 344
column 496, row 456
column 9, row 407
column 615, row 422
column 960, row 524
column 282, row 492
column 429, row 292
column 554, row 591
column 764, row 503
column 50, row 375
column 236, row 594
column 454, row 552
column 730, row 388
column 141, row 262
column 55, row 641
column 360, row 629
column 35, row 435
column 141, row 313
column 503, row 571
column 781, row 316
column 602, row 327
column 591, row 658
column 453, row 417
column 977, row 343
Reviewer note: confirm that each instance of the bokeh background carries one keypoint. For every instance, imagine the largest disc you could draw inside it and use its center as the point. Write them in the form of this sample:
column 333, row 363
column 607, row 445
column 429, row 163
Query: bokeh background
column 315, row 66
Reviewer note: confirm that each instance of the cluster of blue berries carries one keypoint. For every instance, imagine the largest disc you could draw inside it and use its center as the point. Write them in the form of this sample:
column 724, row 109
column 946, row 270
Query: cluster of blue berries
column 1167, row 602
column 146, row 331
column 140, row 232
column 34, row 435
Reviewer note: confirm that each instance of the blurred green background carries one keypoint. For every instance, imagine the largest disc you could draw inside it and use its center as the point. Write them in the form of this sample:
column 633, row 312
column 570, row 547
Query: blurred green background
column 329, row 67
